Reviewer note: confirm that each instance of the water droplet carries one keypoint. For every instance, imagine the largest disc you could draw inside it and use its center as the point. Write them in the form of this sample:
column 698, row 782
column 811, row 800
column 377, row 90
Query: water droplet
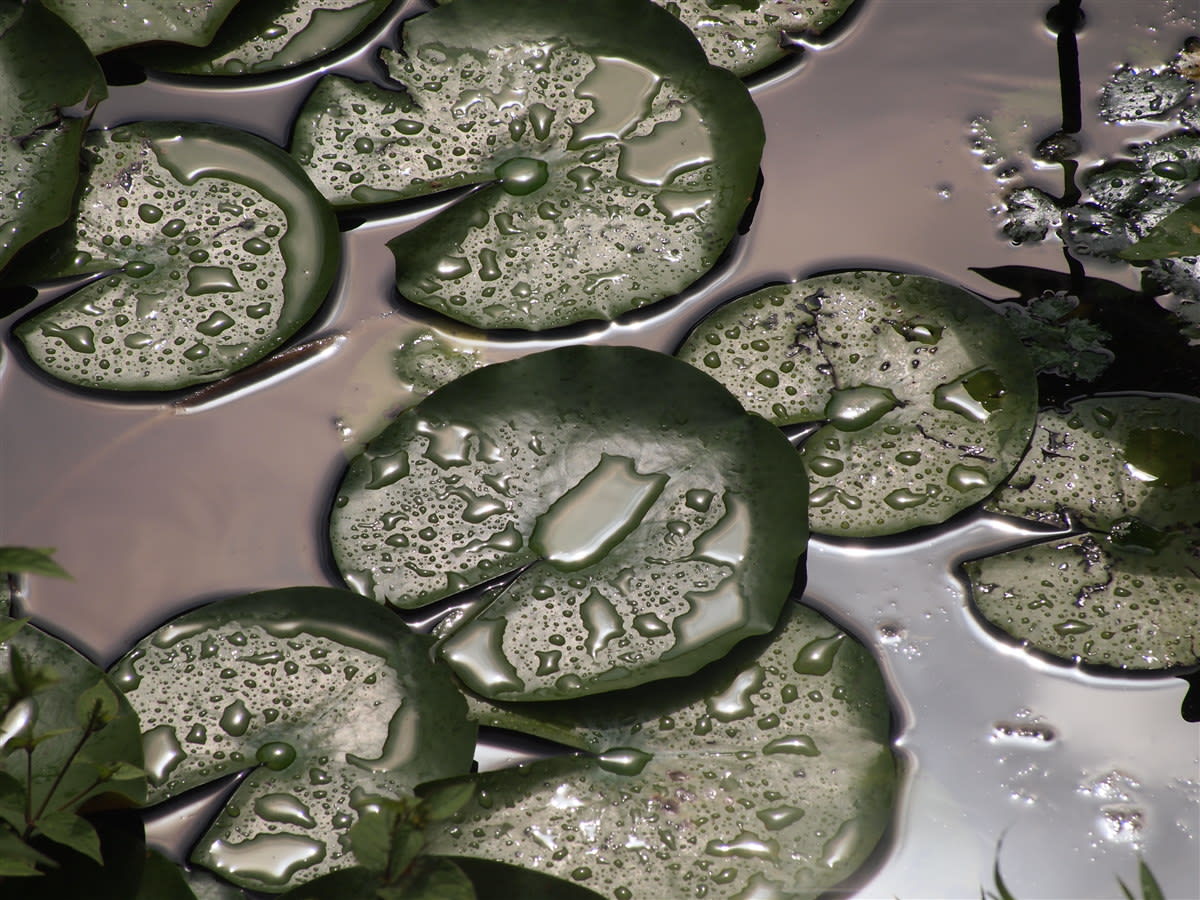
column 125, row 674
column 903, row 498
column 624, row 760
column 975, row 396
column 149, row 213
column 520, row 176
column 211, row 280
column 825, row 466
column 779, row 817
column 387, row 470
column 843, row 845
column 476, row 653
column 816, row 657
column 81, row 339
column 235, row 719
column 269, row 858
column 728, row 541
column 853, row 409
column 746, row 846
column 596, row 514
column 698, row 499
column 1072, row 626
column 276, row 755
column 649, row 625
column 601, row 620
column 162, row 752
column 795, row 744
column 967, row 478
column 197, row 734
column 548, row 661
column 215, row 324
column 735, row 701
column 284, row 808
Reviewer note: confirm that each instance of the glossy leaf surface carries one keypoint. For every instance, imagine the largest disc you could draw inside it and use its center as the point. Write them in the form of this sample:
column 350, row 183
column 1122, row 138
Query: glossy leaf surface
column 49, row 83
column 269, row 35
column 652, row 523
column 211, row 249
column 107, row 26
column 614, row 163
column 1125, row 593
column 767, row 774
column 926, row 397
column 324, row 697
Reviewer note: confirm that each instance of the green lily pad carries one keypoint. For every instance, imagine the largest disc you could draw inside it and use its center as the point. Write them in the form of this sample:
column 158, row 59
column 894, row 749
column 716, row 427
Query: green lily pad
column 67, row 736
column 1124, row 593
column 269, row 35
column 927, row 397
column 768, row 774
column 212, row 247
column 49, row 83
column 653, row 524
column 324, row 697
column 614, row 162
column 748, row 35
column 107, row 26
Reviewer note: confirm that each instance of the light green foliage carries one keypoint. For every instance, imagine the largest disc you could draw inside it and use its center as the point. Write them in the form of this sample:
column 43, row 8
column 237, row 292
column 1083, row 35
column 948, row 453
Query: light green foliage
column 325, row 697
column 1124, row 472
column 1059, row 343
column 49, row 83
column 926, row 398
column 650, row 522
column 31, row 560
column 614, row 162
column 212, row 249
column 66, row 737
column 768, row 773
column 269, row 35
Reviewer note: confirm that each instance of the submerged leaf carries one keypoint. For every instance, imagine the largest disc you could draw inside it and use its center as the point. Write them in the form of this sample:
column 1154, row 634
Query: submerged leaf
column 269, row 35
column 49, row 83
column 927, row 399
column 212, row 249
column 769, row 773
column 106, row 26
column 325, row 697
column 651, row 523
column 614, row 162
column 1125, row 593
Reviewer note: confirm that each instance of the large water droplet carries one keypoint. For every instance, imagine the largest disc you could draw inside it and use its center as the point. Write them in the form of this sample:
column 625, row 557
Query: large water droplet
column 602, row 621
column 284, row 808
column 476, row 653
column 624, row 760
column 975, row 396
column 160, row 746
column 269, row 858
column 235, row 719
column 520, row 176
column 735, row 701
column 853, row 409
column 816, row 657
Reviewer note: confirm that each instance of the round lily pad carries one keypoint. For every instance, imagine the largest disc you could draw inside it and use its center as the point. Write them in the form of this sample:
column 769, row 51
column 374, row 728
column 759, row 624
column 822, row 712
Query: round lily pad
column 745, row 36
column 269, row 35
column 106, row 26
column 211, row 248
column 767, row 774
column 927, row 398
column 651, row 522
column 614, row 162
column 1125, row 592
column 48, row 84
column 327, row 699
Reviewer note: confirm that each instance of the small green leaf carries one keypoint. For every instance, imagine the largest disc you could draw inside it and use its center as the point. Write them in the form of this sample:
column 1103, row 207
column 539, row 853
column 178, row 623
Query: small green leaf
column 445, row 800
column 373, row 836
column 269, row 35
column 72, row 831
column 98, row 705
column 1150, row 887
column 1058, row 342
column 648, row 519
column 1125, row 890
column 325, row 697
column 1176, row 235
column 34, row 560
column 12, row 801
column 259, row 252
column 107, row 26
column 10, row 627
column 18, row 859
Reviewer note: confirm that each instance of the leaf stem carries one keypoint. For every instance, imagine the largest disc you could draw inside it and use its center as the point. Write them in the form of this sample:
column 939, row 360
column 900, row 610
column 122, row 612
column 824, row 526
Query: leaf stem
column 88, row 730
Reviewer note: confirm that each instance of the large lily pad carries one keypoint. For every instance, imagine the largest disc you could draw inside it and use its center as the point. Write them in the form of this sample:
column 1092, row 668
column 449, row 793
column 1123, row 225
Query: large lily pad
column 1125, row 592
column 106, row 26
column 768, row 774
column 927, row 398
column 49, row 83
column 653, row 523
column 213, row 249
column 326, row 698
column 614, row 162
column 67, row 736
column 269, row 35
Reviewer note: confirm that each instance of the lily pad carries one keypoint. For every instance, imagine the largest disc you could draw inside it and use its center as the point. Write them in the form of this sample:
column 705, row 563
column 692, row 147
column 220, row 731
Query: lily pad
column 768, row 774
column 748, row 35
column 49, row 83
column 269, row 35
column 211, row 249
column 1124, row 592
column 67, row 736
column 324, row 697
column 614, row 162
column 651, row 523
column 107, row 26
column 927, row 398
